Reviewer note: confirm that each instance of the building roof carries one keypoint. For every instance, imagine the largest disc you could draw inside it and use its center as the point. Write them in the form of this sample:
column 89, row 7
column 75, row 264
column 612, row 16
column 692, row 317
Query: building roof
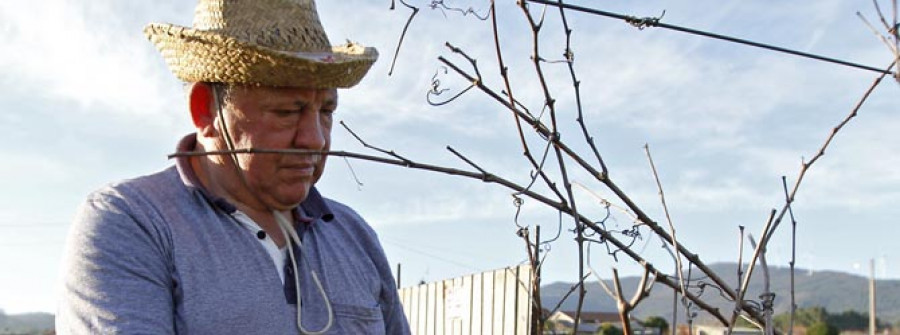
column 595, row 317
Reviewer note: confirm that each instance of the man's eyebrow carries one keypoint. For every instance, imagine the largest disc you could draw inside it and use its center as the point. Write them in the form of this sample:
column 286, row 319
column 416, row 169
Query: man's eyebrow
column 329, row 103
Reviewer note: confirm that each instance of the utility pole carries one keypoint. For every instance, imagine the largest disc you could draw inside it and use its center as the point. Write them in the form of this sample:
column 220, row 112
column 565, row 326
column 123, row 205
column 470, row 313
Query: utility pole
column 872, row 324
column 674, row 328
column 537, row 323
column 398, row 275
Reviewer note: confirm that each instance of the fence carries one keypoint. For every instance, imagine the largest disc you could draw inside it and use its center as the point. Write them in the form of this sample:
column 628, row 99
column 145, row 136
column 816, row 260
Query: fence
column 493, row 302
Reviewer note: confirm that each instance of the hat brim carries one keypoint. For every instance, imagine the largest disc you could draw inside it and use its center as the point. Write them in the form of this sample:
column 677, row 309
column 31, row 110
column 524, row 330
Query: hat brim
column 197, row 55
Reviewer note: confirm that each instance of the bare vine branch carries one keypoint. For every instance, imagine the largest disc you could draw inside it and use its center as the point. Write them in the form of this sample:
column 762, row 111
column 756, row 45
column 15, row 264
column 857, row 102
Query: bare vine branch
column 793, row 262
column 587, row 232
column 440, row 4
column 570, row 61
column 467, row 160
column 386, row 152
column 544, row 131
column 662, row 199
column 551, row 106
column 415, row 10
column 626, row 306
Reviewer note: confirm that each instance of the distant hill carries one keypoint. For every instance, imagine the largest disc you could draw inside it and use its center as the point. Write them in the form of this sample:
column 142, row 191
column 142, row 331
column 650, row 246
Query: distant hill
column 836, row 291
column 29, row 323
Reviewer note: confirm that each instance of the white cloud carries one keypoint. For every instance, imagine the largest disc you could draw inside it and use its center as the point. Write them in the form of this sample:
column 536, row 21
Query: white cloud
column 84, row 52
column 445, row 207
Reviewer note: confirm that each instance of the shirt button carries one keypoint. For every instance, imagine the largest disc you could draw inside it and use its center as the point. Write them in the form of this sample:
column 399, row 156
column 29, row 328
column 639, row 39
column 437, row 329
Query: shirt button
column 261, row 235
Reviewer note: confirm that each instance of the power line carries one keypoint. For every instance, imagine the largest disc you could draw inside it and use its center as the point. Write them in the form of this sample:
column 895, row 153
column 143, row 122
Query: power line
column 35, row 225
column 43, row 244
column 642, row 23
column 427, row 254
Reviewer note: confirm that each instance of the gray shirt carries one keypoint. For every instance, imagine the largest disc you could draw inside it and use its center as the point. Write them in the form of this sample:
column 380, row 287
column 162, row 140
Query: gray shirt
column 159, row 255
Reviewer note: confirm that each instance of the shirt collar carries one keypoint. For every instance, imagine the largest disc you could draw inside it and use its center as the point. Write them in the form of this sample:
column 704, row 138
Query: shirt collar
column 315, row 206
column 312, row 208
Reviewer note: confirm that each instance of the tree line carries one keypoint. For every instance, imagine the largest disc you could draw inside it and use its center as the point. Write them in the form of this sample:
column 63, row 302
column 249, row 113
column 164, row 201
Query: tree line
column 818, row 318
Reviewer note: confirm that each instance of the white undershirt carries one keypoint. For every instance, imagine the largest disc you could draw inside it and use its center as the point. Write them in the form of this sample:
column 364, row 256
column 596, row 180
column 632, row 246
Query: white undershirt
column 277, row 254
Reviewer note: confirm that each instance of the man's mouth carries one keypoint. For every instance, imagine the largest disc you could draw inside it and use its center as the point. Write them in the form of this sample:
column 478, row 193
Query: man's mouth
column 299, row 170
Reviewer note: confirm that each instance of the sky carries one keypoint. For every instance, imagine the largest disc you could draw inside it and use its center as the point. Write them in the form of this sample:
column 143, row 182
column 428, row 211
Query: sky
column 86, row 100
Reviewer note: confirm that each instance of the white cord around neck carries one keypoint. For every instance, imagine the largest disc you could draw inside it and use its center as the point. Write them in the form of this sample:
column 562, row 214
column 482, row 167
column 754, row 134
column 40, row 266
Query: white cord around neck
column 287, row 229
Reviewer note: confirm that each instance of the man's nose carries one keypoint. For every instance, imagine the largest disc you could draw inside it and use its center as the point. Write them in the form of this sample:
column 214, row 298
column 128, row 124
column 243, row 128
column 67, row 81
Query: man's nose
column 311, row 132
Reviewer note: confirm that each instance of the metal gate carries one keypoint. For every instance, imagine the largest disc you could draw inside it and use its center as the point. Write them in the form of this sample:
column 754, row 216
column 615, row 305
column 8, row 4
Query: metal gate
column 493, row 302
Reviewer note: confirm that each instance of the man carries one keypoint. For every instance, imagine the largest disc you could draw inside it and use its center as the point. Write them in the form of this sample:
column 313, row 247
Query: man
column 221, row 242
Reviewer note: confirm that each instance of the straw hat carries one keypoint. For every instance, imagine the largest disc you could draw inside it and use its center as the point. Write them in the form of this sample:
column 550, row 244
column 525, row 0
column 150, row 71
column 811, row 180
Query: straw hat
column 259, row 42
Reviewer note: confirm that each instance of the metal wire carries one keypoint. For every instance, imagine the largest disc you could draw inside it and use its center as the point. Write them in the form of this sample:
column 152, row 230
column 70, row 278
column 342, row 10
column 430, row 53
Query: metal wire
column 642, row 23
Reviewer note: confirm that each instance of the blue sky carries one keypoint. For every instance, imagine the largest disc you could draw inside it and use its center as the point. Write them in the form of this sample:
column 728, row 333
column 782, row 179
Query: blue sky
column 87, row 100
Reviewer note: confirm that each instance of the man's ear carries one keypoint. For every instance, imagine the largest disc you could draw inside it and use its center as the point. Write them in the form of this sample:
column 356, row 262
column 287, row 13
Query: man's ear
column 202, row 109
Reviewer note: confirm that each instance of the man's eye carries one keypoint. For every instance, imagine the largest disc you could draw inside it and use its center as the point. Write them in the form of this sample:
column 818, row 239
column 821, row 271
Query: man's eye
column 327, row 111
column 286, row 113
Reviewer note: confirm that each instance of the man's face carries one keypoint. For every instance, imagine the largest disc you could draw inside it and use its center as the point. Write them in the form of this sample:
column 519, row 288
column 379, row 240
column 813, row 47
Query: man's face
column 279, row 118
